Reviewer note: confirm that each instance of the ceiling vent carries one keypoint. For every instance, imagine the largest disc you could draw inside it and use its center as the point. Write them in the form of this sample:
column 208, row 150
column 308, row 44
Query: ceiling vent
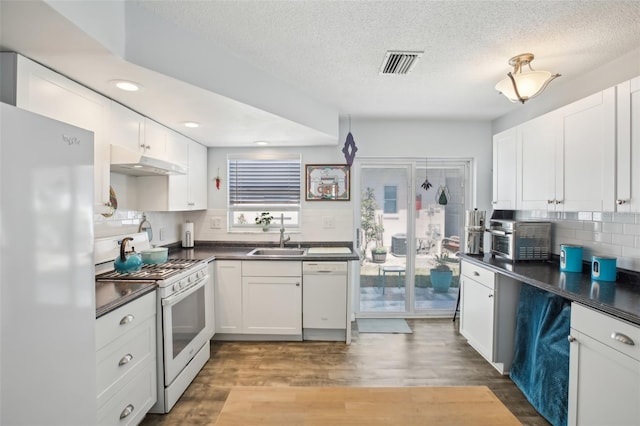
column 399, row 62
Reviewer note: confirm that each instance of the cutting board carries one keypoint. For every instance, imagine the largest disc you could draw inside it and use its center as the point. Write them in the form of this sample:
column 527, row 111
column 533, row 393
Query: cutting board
column 329, row 250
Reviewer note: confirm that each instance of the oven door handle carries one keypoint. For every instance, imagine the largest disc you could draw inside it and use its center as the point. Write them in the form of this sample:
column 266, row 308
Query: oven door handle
column 496, row 232
column 184, row 293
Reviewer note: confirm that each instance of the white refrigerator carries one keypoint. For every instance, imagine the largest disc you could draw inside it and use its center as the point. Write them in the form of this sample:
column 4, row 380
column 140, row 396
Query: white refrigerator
column 47, row 280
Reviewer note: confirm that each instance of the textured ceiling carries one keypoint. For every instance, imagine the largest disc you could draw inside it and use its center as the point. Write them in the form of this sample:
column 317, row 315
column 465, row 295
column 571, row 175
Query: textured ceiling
column 333, row 49
column 330, row 51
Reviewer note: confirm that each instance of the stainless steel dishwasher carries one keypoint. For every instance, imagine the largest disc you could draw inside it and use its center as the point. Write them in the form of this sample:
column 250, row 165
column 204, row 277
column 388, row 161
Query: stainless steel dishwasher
column 324, row 301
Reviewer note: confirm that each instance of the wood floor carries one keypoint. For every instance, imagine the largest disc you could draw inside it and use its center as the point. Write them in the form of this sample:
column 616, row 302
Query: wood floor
column 435, row 354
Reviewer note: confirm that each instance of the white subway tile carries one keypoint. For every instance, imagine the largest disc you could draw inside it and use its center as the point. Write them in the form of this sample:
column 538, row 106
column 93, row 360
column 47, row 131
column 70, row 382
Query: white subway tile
column 592, row 226
column 624, row 217
column 623, row 240
column 631, row 229
column 585, row 216
column 613, row 228
column 597, row 216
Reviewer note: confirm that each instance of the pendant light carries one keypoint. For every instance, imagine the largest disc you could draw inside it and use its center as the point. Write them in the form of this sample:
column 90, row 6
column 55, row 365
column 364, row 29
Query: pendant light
column 520, row 86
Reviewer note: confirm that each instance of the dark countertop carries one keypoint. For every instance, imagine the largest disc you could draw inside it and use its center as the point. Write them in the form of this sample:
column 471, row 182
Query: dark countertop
column 110, row 295
column 209, row 251
column 620, row 299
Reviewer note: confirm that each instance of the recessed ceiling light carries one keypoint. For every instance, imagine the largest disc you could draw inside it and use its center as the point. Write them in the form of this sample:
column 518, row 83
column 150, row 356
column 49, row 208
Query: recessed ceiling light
column 191, row 124
column 261, row 143
column 125, row 85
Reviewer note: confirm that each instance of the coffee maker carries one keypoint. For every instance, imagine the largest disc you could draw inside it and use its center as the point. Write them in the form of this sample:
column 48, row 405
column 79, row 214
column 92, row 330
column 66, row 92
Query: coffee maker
column 474, row 227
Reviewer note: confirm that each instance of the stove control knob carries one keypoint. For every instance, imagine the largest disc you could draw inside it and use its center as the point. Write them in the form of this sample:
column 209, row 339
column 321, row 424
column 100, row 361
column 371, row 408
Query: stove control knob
column 183, row 284
column 191, row 278
column 176, row 287
column 200, row 274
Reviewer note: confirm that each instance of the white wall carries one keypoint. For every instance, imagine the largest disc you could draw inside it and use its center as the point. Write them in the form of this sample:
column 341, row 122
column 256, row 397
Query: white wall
column 388, row 138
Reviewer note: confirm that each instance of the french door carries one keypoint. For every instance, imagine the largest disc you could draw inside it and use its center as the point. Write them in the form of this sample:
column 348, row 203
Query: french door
column 410, row 214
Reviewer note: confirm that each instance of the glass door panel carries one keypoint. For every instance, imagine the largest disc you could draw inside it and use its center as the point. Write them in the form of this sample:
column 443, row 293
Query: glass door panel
column 439, row 221
column 383, row 227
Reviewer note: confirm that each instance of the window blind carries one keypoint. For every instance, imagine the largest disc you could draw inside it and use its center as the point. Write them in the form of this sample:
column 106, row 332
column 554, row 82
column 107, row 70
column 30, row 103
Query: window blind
column 264, row 181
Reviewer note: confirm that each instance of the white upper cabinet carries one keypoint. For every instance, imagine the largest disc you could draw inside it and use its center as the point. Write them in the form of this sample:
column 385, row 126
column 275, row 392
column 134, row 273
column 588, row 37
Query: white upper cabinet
column 126, row 127
column 588, row 148
column 566, row 159
column 177, row 192
column 45, row 92
column 504, row 169
column 155, row 139
column 628, row 146
column 538, row 162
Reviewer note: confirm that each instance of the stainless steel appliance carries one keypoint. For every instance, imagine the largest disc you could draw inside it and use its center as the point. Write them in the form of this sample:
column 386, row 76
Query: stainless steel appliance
column 184, row 320
column 187, row 235
column 520, row 240
column 474, row 227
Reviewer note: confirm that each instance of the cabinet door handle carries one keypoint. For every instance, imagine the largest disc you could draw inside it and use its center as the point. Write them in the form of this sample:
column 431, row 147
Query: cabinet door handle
column 126, row 319
column 571, row 339
column 549, row 201
column 622, row 338
column 491, row 295
column 125, row 360
column 298, row 284
column 558, row 201
column 476, row 273
column 127, row 411
column 620, row 202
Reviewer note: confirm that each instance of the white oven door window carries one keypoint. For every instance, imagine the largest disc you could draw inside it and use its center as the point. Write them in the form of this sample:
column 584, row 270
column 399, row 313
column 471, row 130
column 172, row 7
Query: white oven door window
column 185, row 328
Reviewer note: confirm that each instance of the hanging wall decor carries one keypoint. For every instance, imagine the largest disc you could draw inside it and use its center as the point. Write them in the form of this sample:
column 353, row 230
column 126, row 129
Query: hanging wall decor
column 218, row 180
column 426, row 184
column 327, row 182
column 442, row 195
column 350, row 148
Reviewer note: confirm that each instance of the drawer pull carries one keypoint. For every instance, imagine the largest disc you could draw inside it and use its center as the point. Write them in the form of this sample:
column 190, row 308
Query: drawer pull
column 622, row 338
column 571, row 339
column 125, row 360
column 476, row 273
column 491, row 295
column 127, row 411
column 126, row 319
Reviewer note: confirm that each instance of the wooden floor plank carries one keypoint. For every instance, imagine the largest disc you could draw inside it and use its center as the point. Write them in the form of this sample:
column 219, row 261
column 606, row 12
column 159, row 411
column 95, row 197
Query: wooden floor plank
column 435, row 354
column 407, row 406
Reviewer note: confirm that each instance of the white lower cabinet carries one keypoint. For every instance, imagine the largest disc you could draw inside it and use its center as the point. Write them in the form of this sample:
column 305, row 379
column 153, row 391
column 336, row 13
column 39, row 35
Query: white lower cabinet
column 228, row 296
column 488, row 304
column 272, row 297
column 604, row 370
column 126, row 362
column 258, row 298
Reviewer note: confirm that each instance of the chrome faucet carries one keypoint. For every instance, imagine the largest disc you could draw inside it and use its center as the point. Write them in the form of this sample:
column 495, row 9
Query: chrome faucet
column 282, row 238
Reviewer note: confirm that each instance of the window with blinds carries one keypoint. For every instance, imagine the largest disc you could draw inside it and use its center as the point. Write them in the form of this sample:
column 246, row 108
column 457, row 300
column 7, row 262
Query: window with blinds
column 263, row 185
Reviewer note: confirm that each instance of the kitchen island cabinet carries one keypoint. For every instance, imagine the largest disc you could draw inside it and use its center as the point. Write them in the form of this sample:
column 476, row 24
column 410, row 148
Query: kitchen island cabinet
column 488, row 304
column 604, row 370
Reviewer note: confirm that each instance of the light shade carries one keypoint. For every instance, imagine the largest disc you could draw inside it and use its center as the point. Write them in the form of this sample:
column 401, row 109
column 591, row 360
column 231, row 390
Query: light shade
column 522, row 86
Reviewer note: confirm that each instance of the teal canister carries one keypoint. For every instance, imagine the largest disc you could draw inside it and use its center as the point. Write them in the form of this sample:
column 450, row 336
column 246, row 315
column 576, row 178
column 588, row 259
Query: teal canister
column 603, row 268
column 570, row 258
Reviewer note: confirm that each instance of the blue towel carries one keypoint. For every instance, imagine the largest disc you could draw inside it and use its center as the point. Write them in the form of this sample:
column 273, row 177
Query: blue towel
column 541, row 357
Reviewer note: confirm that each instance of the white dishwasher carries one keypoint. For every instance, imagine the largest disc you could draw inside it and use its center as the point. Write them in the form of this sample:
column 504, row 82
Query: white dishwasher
column 324, row 301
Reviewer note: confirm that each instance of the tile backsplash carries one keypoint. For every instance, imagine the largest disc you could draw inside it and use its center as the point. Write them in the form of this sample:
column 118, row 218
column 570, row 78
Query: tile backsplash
column 604, row 234
column 165, row 225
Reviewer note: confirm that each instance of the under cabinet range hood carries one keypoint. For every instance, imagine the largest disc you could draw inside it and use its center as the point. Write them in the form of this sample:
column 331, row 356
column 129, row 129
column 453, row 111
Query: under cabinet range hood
column 126, row 161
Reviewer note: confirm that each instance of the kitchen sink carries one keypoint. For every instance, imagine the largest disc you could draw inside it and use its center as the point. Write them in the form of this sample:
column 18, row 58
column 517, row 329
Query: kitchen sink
column 278, row 252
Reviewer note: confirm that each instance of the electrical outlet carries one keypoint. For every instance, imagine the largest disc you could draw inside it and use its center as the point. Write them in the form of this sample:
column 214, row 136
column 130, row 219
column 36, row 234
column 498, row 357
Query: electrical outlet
column 328, row 222
column 215, row 222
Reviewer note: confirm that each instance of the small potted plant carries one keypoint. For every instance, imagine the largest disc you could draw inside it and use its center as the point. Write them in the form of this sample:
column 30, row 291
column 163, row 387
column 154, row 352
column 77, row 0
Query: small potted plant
column 441, row 275
column 264, row 219
column 379, row 254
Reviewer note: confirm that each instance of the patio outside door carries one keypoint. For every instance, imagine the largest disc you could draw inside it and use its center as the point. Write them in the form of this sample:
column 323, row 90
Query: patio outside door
column 404, row 230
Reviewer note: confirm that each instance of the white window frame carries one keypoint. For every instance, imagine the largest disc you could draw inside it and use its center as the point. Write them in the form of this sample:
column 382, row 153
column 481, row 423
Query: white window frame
column 290, row 213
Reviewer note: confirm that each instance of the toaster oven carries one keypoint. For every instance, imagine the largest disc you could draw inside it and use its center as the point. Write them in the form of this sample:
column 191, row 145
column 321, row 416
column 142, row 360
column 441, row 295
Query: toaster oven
column 520, row 240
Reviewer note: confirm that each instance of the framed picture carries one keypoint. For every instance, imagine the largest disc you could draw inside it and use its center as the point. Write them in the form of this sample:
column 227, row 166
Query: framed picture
column 327, row 182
